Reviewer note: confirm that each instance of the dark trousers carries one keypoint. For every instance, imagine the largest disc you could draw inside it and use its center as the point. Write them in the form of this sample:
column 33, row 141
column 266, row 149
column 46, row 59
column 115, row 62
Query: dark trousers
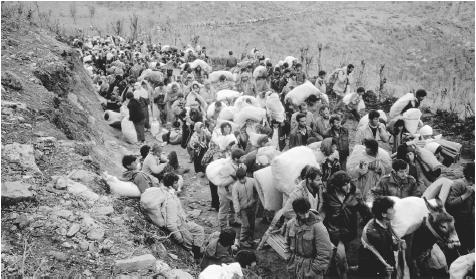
column 214, row 193
column 146, row 113
column 197, row 160
column 140, row 130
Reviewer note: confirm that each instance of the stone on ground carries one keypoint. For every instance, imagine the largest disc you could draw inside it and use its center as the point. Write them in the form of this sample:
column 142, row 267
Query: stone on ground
column 20, row 157
column 16, row 191
column 146, row 261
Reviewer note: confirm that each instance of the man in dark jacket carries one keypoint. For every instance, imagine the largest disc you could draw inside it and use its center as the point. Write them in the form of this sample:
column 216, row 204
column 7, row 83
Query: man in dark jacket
column 460, row 204
column 378, row 235
column 136, row 115
column 308, row 243
column 301, row 133
column 142, row 180
column 281, row 131
column 397, row 183
column 341, row 136
column 342, row 202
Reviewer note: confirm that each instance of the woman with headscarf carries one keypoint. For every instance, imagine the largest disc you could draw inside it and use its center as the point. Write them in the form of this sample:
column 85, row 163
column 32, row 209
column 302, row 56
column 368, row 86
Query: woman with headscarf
column 199, row 144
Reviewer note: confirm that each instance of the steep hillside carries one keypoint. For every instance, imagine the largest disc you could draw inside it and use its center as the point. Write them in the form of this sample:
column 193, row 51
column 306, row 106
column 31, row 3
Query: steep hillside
column 421, row 44
column 58, row 217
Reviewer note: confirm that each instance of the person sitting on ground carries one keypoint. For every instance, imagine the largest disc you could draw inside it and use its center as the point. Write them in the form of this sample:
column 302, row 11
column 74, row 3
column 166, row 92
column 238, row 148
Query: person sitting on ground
column 307, row 242
column 378, row 234
column 374, row 130
column 398, row 183
column 155, row 163
column 244, row 200
column 218, row 248
column 142, row 180
column 248, row 263
column 185, row 232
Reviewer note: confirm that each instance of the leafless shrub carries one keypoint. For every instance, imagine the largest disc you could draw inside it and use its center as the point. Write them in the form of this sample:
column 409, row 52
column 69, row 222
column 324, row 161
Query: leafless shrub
column 117, row 27
column 73, row 11
column 134, row 21
column 306, row 59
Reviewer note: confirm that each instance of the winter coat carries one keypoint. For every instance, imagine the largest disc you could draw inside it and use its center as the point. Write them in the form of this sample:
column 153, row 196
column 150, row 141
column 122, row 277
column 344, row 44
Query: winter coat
column 152, row 165
column 455, row 205
column 321, row 125
column 310, row 247
column 136, row 113
column 301, row 191
column 366, row 133
column 341, row 217
column 391, row 185
column 309, row 120
column 365, row 181
column 296, row 138
column 342, row 138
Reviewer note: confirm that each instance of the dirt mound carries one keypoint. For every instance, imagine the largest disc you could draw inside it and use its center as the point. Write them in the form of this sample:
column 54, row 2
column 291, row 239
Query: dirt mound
column 58, row 217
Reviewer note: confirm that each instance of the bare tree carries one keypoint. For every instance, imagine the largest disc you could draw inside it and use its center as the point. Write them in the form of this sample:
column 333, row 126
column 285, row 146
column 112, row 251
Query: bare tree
column 319, row 48
column 134, row 20
column 360, row 81
column 382, row 82
column 92, row 11
column 73, row 11
column 117, row 27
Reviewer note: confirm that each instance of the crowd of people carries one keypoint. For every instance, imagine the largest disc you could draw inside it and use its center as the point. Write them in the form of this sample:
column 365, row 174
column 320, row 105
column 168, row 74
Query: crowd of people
column 216, row 117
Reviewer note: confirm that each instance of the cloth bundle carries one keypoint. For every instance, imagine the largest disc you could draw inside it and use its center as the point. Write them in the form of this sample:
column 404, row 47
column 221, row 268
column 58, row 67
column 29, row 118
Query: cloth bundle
column 300, row 93
column 412, row 119
column 271, row 198
column 198, row 62
column 275, row 108
column 227, row 94
column 215, row 76
column 249, row 113
column 259, row 71
column 121, row 188
column 400, row 104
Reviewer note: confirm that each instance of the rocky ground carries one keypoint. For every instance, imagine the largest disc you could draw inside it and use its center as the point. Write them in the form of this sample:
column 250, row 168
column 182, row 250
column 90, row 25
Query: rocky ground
column 58, row 217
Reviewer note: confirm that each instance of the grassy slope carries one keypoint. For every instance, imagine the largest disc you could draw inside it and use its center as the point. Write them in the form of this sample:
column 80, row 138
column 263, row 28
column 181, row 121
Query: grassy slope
column 421, row 44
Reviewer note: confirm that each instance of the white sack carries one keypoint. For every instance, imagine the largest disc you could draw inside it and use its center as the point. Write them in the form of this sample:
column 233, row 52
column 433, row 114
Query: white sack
column 121, row 188
column 412, row 118
column 270, row 197
column 215, row 76
column 227, row 94
column 259, row 71
column 246, row 113
column 128, row 130
column 300, row 93
column 288, row 165
column 398, row 106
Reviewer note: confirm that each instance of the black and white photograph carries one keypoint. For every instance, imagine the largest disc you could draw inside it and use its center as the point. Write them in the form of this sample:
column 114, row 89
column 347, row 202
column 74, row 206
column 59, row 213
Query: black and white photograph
column 238, row 139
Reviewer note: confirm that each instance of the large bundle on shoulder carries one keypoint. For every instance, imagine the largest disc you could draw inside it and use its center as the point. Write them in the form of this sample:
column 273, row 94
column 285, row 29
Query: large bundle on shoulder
column 227, row 94
column 287, row 166
column 249, row 113
column 152, row 201
column 275, row 108
column 400, row 104
column 259, row 72
column 348, row 98
column 198, row 62
column 270, row 197
column 211, row 109
column 265, row 155
column 119, row 187
column 409, row 214
column 216, row 169
column 412, row 119
column 289, row 60
column 215, row 76
column 128, row 130
column 364, row 121
column 224, row 141
column 300, row 93
column 151, row 76
column 244, row 101
column 227, row 113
